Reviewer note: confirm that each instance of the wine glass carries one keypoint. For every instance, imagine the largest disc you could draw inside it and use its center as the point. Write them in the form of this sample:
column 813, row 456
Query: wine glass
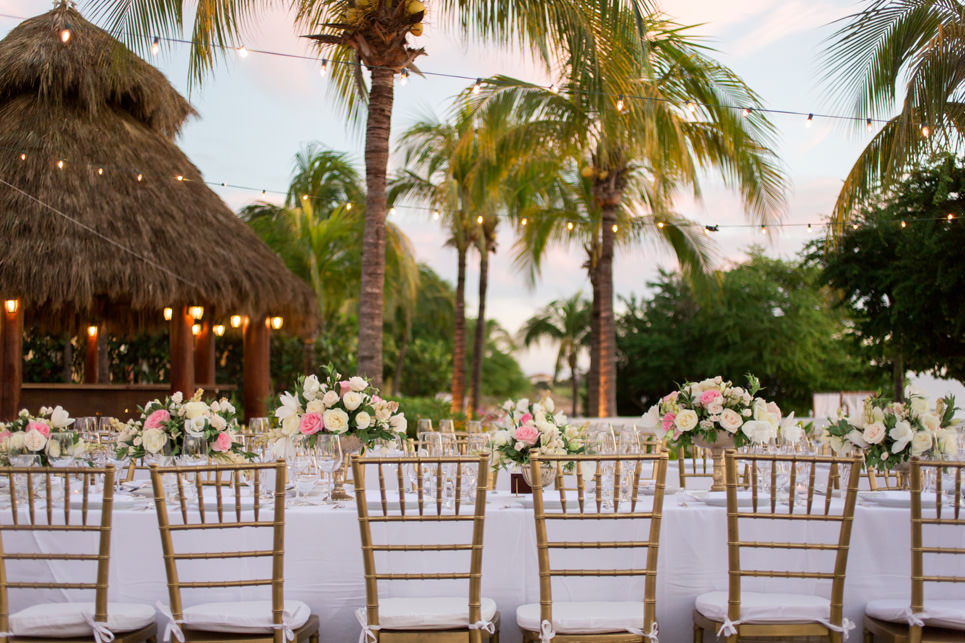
column 258, row 425
column 86, row 427
column 194, row 451
column 447, row 426
column 60, row 449
column 474, row 426
column 305, row 474
column 328, row 455
column 425, row 425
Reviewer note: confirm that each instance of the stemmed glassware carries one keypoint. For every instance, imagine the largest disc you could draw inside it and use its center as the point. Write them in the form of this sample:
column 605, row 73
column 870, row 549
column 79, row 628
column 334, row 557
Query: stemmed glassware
column 328, row 455
column 258, row 425
column 305, row 474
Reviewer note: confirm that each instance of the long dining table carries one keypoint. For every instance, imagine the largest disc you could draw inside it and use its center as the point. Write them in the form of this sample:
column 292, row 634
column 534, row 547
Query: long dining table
column 323, row 562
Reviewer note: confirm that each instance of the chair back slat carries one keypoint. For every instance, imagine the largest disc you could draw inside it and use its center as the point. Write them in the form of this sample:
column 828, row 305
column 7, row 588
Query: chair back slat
column 50, row 486
column 445, row 480
column 800, row 508
column 615, row 489
column 179, row 494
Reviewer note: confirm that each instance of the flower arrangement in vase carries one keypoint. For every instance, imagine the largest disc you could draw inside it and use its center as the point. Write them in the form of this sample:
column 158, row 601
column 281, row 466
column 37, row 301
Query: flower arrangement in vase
column 29, row 435
column 164, row 425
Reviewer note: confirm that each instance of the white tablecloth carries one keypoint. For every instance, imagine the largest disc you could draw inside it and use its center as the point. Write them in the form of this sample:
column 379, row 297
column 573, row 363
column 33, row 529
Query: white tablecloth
column 323, row 564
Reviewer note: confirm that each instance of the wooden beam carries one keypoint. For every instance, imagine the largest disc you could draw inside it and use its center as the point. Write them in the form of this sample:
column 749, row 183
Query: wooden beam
column 91, row 354
column 11, row 359
column 182, row 352
column 256, row 367
column 204, row 353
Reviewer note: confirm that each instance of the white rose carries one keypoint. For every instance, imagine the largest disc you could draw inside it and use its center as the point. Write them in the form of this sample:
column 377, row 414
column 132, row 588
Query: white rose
column 289, row 426
column 289, row 406
column 362, row 420
column 177, row 397
column 15, row 441
column 315, row 406
column 59, row 418
column 686, row 420
column 549, row 405
column 311, row 387
column 154, row 440
column 747, row 413
column 920, row 443
column 918, row 405
column 218, row 422
column 730, row 420
column 758, row 430
column 357, row 383
column 791, row 430
column 931, row 421
column 330, row 398
column 53, row 448
column 948, row 441
column 501, row 438
column 398, row 423
column 194, row 410
column 194, row 426
column 716, row 407
column 34, row 440
column 560, row 419
column 651, row 419
column 523, row 405
column 336, row 420
column 857, row 438
column 382, row 412
column 877, row 415
column 874, row 433
column 902, row 435
column 352, row 400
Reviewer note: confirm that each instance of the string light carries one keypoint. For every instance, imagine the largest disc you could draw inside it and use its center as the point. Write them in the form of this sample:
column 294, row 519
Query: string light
column 218, row 329
column 809, row 121
column 304, row 197
column 235, row 321
column 523, row 222
column 615, row 227
column 100, row 171
column 180, row 177
column 392, row 211
column 242, row 51
column 950, row 216
column 60, row 165
column 435, row 215
column 155, row 46
column 809, row 226
column 660, row 224
column 477, row 87
column 763, row 229
column 569, row 225
column 276, row 322
column 404, row 77
column 348, row 206
column 554, row 88
column 195, row 329
column 870, row 127
column 11, row 305
column 140, row 177
column 91, row 330
column 23, row 157
column 691, row 107
column 324, row 68
column 168, row 313
column 196, row 312
column 854, row 226
column 746, row 111
column 925, row 131
column 479, row 219
column 65, row 34
column 904, row 225
column 620, row 103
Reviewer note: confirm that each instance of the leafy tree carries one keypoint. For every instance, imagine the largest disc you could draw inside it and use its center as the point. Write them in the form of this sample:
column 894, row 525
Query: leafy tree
column 905, row 51
column 900, row 273
column 502, row 376
column 768, row 317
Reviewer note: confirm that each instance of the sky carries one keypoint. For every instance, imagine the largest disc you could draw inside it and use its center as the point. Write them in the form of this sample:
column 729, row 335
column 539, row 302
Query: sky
column 257, row 112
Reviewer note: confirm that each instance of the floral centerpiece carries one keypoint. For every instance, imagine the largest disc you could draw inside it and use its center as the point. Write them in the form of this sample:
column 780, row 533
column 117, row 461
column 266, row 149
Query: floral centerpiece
column 348, row 407
column 526, row 428
column 889, row 432
column 164, row 424
column 30, row 434
column 715, row 412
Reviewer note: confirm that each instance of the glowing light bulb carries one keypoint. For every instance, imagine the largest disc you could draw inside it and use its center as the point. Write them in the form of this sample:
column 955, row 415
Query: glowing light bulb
column 196, row 312
column 92, row 331
column 569, row 225
column 763, row 229
column 554, row 88
column 140, row 177
column 477, row 87
column 435, row 215
column 65, row 35
column 620, row 103
column 218, row 329
column 523, row 222
column 950, row 216
column 348, row 206
column 195, row 329
column 925, row 131
column 155, row 46
column 180, row 177
column 809, row 121
column 242, row 52
column 324, row 68
column 904, row 225
column 168, row 313
column 746, row 112
column 11, row 305
column 235, row 321
column 23, row 157
column 276, row 322
column 660, row 224
column 615, row 227
column 404, row 77
column 869, row 125
column 304, row 197
column 479, row 219
column 691, row 107
column 100, row 171
column 60, row 165
column 391, row 212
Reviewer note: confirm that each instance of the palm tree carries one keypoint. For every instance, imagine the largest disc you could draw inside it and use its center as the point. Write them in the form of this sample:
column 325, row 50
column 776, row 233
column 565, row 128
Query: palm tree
column 356, row 33
column 915, row 42
column 566, row 322
column 644, row 110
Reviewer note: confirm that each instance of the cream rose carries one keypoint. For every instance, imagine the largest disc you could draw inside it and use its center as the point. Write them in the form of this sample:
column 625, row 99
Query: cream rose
column 398, row 423
column 34, row 440
column 336, row 420
column 363, row 420
column 918, row 405
column 874, row 433
column 352, row 400
column 357, row 383
column 501, row 438
column 194, row 410
column 948, row 441
column 289, row 426
column 15, row 441
column 931, row 421
column 686, row 420
column 316, row 406
column 330, row 398
column 731, row 420
column 920, row 443
column 194, row 426
column 218, row 422
column 383, row 412
column 154, row 440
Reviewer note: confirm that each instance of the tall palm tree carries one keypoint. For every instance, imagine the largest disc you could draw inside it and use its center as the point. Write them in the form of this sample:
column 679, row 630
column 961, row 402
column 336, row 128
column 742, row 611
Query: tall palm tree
column 352, row 34
column 567, row 323
column 644, row 109
column 890, row 43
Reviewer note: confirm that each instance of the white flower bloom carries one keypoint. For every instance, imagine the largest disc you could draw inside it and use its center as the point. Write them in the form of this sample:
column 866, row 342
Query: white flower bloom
column 508, row 405
column 560, row 419
column 651, row 419
column 398, row 423
column 311, row 387
column 154, row 440
column 195, row 426
column 352, row 400
column 357, row 384
column 315, row 406
column 857, row 438
column 522, row 406
column 362, row 420
column 791, row 430
column 918, row 405
column 34, row 440
column 59, row 418
column 383, row 411
column 330, row 399
column 948, row 441
column 931, row 422
column 177, row 397
column 716, row 407
column 874, row 433
column 877, row 415
column 731, row 420
column 501, row 438
column 289, row 406
column 920, row 443
column 746, row 412
column 15, row 441
column 759, row 430
column 549, row 405
column 336, row 420
column 686, row 420
column 218, row 422
column 53, row 448
column 902, row 435
column 289, row 426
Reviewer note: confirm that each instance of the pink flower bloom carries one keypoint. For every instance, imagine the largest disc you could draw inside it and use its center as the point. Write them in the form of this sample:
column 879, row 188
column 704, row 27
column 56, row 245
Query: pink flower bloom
column 222, row 443
column 344, row 387
column 526, row 419
column 709, row 396
column 41, row 427
column 671, row 397
column 311, row 423
column 667, row 423
column 376, row 399
column 4, row 434
column 157, row 419
column 527, row 434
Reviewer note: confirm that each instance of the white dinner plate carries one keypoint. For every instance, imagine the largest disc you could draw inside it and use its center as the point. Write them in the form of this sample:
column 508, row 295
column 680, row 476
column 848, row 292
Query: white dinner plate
column 896, row 498
column 744, row 499
column 121, row 502
column 227, row 503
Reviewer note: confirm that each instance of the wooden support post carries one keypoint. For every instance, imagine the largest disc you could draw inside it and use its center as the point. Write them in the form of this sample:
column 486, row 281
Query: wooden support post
column 11, row 358
column 204, row 353
column 182, row 352
column 256, row 367
column 91, row 370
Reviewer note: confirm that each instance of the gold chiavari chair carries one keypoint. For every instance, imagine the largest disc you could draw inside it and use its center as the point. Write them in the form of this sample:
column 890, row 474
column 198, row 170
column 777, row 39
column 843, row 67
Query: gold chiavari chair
column 699, row 464
column 438, row 501
column 882, row 480
column 233, row 515
column 622, row 621
column 62, row 503
column 738, row 614
column 920, row 620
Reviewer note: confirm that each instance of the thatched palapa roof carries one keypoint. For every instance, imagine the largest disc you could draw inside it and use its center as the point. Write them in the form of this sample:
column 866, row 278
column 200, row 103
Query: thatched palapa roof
column 92, row 241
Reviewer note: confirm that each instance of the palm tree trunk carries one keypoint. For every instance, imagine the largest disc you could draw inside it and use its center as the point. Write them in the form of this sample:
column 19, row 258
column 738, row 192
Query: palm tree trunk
column 593, row 377
column 459, row 335
column 607, row 399
column 573, row 383
column 403, row 345
column 377, row 133
column 477, row 346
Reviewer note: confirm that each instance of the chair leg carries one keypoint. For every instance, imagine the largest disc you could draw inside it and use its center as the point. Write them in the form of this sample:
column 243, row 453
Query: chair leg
column 868, row 636
column 698, row 634
column 835, row 637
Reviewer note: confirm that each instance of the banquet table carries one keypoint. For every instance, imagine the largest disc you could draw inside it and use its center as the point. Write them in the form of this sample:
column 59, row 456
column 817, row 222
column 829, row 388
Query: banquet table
column 323, row 563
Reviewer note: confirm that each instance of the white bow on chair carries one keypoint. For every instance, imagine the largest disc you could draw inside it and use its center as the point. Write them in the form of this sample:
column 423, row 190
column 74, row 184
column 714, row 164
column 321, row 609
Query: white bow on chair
column 728, row 628
column 486, row 626
column 173, row 627
column 845, row 627
column 914, row 620
column 368, row 631
column 651, row 635
column 285, row 627
column 100, row 631
column 546, row 633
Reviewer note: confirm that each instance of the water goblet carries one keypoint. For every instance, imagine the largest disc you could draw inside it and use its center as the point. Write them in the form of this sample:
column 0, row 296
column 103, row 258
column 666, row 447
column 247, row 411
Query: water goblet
column 258, row 425
column 60, row 449
column 425, row 425
column 447, row 426
column 328, row 455
column 305, row 474
column 474, row 426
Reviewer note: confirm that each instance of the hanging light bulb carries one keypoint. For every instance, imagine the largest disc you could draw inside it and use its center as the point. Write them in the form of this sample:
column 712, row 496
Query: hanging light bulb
column 391, row 212
column 404, row 77
column 854, row 226
column 660, row 224
column 11, row 305
column 324, row 68
column 91, row 330
column 100, row 171
column 235, row 321
column 168, row 313
column 242, row 51
column 479, row 219
column 196, row 312
column 477, row 87
column 809, row 226
column 691, row 107
column 763, row 229
column 810, row 120
column 554, row 88
column 276, row 322
column 903, row 224
column 620, row 103
column 23, row 157
column 218, row 329
column 925, row 131
column 60, row 165
column 348, row 206
column 180, row 177
column 65, row 34
column 950, row 216
column 746, row 111
column 569, row 225
column 195, row 329
column 155, row 46
column 304, row 197
column 615, row 227
column 523, row 222
column 140, row 177
column 868, row 125
column 435, row 215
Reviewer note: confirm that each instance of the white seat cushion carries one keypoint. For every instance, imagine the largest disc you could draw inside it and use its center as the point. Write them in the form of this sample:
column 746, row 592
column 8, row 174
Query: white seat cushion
column 757, row 607
column 937, row 613
column 246, row 617
column 585, row 617
column 64, row 620
column 430, row 613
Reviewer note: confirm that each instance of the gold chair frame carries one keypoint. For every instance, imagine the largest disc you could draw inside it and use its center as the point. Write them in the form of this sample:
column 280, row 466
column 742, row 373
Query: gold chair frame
column 595, row 511
column 901, row 633
column 425, row 501
column 220, row 519
column 47, row 475
column 735, row 515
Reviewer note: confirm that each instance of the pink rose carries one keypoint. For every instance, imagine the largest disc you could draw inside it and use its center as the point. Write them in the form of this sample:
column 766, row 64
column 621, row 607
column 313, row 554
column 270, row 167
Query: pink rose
column 671, row 397
column 157, row 419
column 344, row 387
column 667, row 423
column 41, row 427
column 773, row 408
column 5, row 434
column 527, row 434
column 376, row 399
column 526, row 419
column 311, row 423
column 709, row 396
column 222, row 443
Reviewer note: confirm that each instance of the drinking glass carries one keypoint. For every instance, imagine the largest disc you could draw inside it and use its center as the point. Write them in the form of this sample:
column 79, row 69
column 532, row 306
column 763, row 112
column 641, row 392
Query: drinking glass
column 602, row 442
column 194, row 451
column 86, row 427
column 447, row 426
column 60, row 449
column 425, row 425
column 328, row 455
column 474, row 426
column 258, row 425
column 105, row 425
column 305, row 474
